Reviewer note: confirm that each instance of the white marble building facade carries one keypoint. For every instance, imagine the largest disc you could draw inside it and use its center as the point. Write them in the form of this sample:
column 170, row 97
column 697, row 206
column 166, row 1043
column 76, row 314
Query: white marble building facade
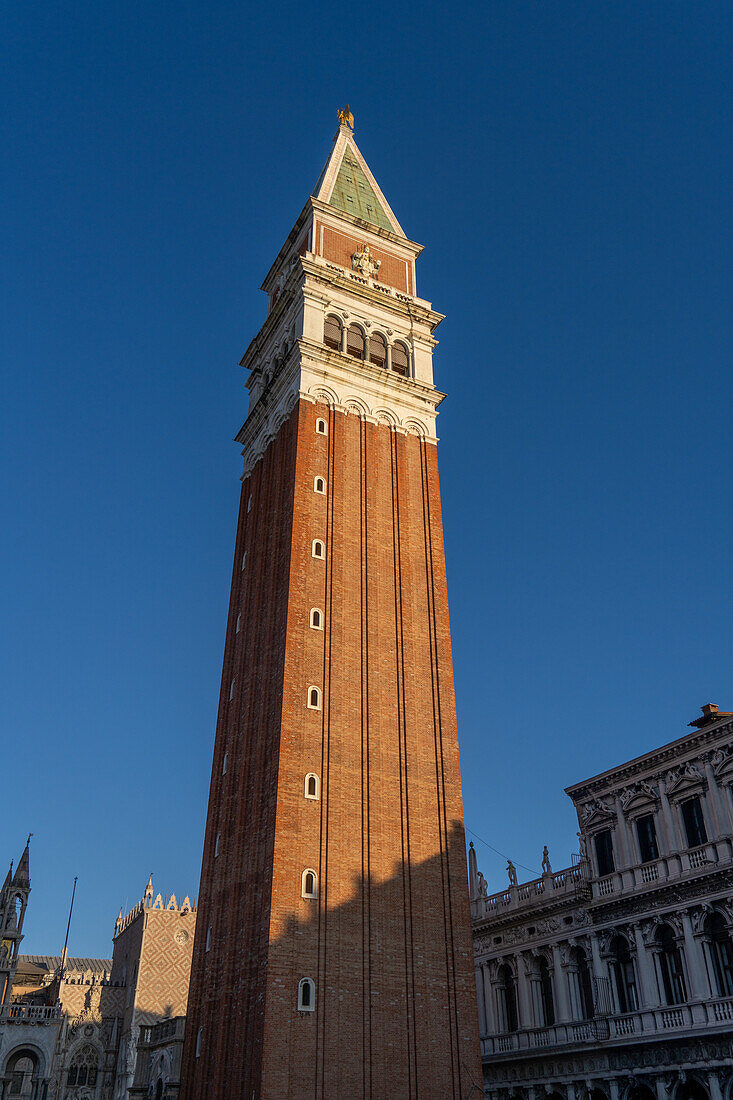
column 613, row 978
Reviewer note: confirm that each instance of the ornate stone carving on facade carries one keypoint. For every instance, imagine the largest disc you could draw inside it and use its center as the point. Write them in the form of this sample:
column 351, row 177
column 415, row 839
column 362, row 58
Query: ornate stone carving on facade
column 638, row 794
column 595, row 811
column 686, row 777
column 365, row 262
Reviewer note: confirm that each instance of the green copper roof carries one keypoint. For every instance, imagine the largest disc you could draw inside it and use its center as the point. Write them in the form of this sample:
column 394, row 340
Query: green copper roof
column 353, row 194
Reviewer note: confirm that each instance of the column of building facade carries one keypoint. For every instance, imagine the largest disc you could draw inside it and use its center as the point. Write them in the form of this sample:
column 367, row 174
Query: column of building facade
column 492, row 1020
column 483, row 1028
column 648, row 989
column 669, row 821
column 562, row 1003
column 523, row 987
column 695, row 962
column 722, row 806
column 716, row 1093
column 623, row 849
column 599, row 966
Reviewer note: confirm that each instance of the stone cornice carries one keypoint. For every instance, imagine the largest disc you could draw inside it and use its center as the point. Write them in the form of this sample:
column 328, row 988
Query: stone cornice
column 326, row 273
column 659, row 760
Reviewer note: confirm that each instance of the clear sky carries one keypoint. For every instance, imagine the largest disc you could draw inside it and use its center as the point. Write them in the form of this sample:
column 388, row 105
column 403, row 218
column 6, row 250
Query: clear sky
column 568, row 167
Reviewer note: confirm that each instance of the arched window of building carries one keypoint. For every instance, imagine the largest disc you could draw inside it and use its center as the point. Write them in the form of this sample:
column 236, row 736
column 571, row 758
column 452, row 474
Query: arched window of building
column 332, row 332
column 507, row 999
column 624, row 978
column 22, row 1069
column 314, row 698
column 319, row 550
column 400, row 359
column 312, row 786
column 547, row 1002
column 306, row 995
column 321, row 426
column 84, row 1068
column 355, row 342
column 316, row 618
column 720, row 952
column 319, row 485
column 377, row 350
column 691, row 1090
column 641, row 1092
column 309, row 884
column 159, row 1089
column 671, row 972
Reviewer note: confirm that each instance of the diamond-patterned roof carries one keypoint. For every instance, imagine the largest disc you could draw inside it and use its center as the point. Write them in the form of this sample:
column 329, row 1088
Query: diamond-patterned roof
column 353, row 193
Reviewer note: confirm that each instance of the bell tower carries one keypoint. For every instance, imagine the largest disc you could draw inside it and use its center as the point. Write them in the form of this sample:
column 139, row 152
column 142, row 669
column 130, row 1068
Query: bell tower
column 333, row 952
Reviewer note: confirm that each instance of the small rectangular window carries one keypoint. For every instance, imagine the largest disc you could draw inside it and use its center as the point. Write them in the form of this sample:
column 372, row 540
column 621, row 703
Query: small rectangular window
column 244, row 560
column 604, row 852
column 694, row 822
column 647, row 835
column 231, row 690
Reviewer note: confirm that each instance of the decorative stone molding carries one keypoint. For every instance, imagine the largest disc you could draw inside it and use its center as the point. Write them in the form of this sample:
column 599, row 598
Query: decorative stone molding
column 638, row 796
column 687, row 779
column 597, row 811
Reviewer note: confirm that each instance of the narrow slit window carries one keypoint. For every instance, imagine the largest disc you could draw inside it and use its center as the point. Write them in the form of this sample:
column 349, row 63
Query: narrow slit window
column 314, row 698
column 231, row 689
column 319, row 485
column 224, row 763
column 239, row 622
column 208, row 938
column 319, row 549
column 309, row 884
column 216, row 845
column 321, row 426
column 199, row 1033
column 316, row 618
column 312, row 787
column 244, row 560
column 306, row 995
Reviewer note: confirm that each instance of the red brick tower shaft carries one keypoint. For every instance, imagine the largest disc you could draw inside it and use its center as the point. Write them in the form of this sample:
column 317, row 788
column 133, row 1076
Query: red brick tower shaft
column 333, row 953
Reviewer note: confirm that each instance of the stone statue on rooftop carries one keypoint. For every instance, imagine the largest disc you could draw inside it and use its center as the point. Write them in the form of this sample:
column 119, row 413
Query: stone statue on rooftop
column 546, row 868
column 511, row 870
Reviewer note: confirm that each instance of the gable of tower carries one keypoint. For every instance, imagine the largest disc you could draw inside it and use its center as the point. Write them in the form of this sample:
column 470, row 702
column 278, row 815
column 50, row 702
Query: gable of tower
column 353, row 194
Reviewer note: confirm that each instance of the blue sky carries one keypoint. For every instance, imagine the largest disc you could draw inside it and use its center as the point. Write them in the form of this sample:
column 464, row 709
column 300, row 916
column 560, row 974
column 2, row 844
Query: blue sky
column 568, row 167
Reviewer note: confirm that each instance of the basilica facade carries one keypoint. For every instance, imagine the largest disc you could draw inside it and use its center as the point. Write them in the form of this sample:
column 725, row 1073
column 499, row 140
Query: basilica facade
column 612, row 979
column 79, row 1028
